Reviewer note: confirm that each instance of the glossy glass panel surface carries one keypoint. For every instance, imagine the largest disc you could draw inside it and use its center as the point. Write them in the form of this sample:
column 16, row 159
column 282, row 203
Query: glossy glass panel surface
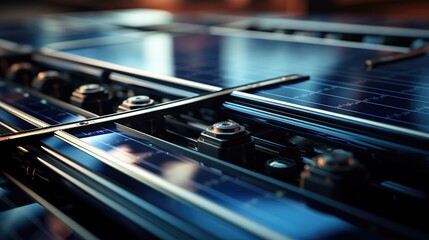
column 264, row 205
column 395, row 94
column 21, row 218
column 222, row 61
column 13, row 121
column 37, row 107
column 141, row 194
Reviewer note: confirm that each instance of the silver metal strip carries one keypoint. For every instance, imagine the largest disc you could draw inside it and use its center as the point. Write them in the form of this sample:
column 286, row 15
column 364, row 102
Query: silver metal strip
column 25, row 116
column 14, row 47
column 117, row 77
column 78, row 229
column 220, row 31
column 106, row 200
column 91, row 71
column 170, row 189
column 97, row 41
column 327, row 26
column 116, row 67
column 8, row 127
column 337, row 115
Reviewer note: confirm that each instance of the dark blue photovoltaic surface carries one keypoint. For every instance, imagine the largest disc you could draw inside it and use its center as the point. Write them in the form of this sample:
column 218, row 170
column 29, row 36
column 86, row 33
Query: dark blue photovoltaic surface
column 21, row 218
column 33, row 221
column 270, row 208
column 222, row 61
column 36, row 107
column 12, row 120
column 395, row 94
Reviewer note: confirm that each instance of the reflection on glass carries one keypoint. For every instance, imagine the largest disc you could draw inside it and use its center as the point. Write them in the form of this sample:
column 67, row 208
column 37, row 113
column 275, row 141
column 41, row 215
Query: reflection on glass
column 180, row 173
column 265, row 206
column 125, row 153
column 33, row 222
column 177, row 172
column 57, row 228
column 226, row 61
column 158, row 52
column 393, row 94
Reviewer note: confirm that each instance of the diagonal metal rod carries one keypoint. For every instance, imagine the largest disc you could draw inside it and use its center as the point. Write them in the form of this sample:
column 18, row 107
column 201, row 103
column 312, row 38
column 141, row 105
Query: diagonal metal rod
column 140, row 114
column 370, row 63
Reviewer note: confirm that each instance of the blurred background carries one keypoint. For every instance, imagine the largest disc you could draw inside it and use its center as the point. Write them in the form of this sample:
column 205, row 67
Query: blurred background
column 407, row 9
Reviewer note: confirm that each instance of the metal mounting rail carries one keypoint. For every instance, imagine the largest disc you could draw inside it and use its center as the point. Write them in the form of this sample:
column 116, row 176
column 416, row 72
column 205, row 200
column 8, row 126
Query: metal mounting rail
column 140, row 114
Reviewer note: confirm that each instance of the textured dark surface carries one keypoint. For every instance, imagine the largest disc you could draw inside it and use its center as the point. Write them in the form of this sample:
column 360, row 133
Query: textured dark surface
column 396, row 94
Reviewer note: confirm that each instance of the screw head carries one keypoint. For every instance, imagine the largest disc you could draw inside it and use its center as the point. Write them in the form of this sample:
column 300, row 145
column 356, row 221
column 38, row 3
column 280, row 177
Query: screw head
column 226, row 126
column 90, row 88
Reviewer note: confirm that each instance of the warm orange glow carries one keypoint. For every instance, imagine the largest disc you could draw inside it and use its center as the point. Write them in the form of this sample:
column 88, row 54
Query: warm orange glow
column 321, row 161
